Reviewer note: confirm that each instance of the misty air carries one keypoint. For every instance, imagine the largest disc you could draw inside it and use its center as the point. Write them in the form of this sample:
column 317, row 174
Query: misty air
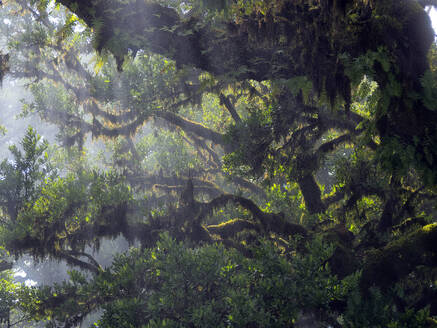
column 218, row 163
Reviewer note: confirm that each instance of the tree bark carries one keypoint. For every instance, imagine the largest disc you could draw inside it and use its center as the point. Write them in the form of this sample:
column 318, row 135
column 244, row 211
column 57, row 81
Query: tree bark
column 311, row 194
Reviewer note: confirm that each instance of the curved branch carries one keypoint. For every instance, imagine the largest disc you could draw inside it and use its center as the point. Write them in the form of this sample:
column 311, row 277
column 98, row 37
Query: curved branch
column 269, row 221
column 69, row 258
column 192, row 127
column 159, row 29
column 330, row 146
column 93, row 108
column 230, row 228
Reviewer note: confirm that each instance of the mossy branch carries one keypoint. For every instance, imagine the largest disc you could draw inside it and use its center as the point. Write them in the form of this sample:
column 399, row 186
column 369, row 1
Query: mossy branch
column 230, row 228
column 269, row 222
column 384, row 267
column 191, row 126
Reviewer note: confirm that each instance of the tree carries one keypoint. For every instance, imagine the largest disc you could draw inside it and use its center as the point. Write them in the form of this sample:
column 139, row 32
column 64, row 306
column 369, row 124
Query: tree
column 299, row 182
column 321, row 41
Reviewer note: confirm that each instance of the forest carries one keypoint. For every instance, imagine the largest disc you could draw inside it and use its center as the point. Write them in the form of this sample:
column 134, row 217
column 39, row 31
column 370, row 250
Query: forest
column 218, row 163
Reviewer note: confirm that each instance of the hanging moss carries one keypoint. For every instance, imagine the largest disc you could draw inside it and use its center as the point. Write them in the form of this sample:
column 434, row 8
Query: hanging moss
column 4, row 67
column 284, row 39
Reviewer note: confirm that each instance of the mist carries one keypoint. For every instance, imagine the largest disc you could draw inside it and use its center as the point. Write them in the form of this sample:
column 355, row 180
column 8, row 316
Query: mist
column 195, row 164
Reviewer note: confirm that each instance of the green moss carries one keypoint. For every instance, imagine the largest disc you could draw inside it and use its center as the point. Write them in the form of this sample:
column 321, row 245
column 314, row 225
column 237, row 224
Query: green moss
column 429, row 228
column 230, row 228
column 383, row 267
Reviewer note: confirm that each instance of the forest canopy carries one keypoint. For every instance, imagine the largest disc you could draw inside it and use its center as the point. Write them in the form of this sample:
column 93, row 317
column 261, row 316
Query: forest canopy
column 269, row 163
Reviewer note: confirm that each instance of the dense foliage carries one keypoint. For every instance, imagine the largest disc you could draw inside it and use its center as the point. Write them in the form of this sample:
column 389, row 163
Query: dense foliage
column 271, row 163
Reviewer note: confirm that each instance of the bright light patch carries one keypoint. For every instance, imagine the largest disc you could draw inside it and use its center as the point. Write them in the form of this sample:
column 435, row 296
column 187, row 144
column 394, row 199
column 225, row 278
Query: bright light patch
column 433, row 16
column 79, row 28
column 30, row 283
column 54, row 20
column 20, row 273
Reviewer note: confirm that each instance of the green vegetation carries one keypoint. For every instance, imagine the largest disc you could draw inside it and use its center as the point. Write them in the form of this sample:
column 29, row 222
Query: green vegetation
column 270, row 163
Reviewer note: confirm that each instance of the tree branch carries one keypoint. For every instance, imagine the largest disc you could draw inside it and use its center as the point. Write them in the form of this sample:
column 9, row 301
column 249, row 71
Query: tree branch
column 230, row 228
column 231, row 109
column 76, row 262
column 384, row 267
column 192, row 127
column 89, row 257
column 311, row 194
column 270, row 222
column 330, row 146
